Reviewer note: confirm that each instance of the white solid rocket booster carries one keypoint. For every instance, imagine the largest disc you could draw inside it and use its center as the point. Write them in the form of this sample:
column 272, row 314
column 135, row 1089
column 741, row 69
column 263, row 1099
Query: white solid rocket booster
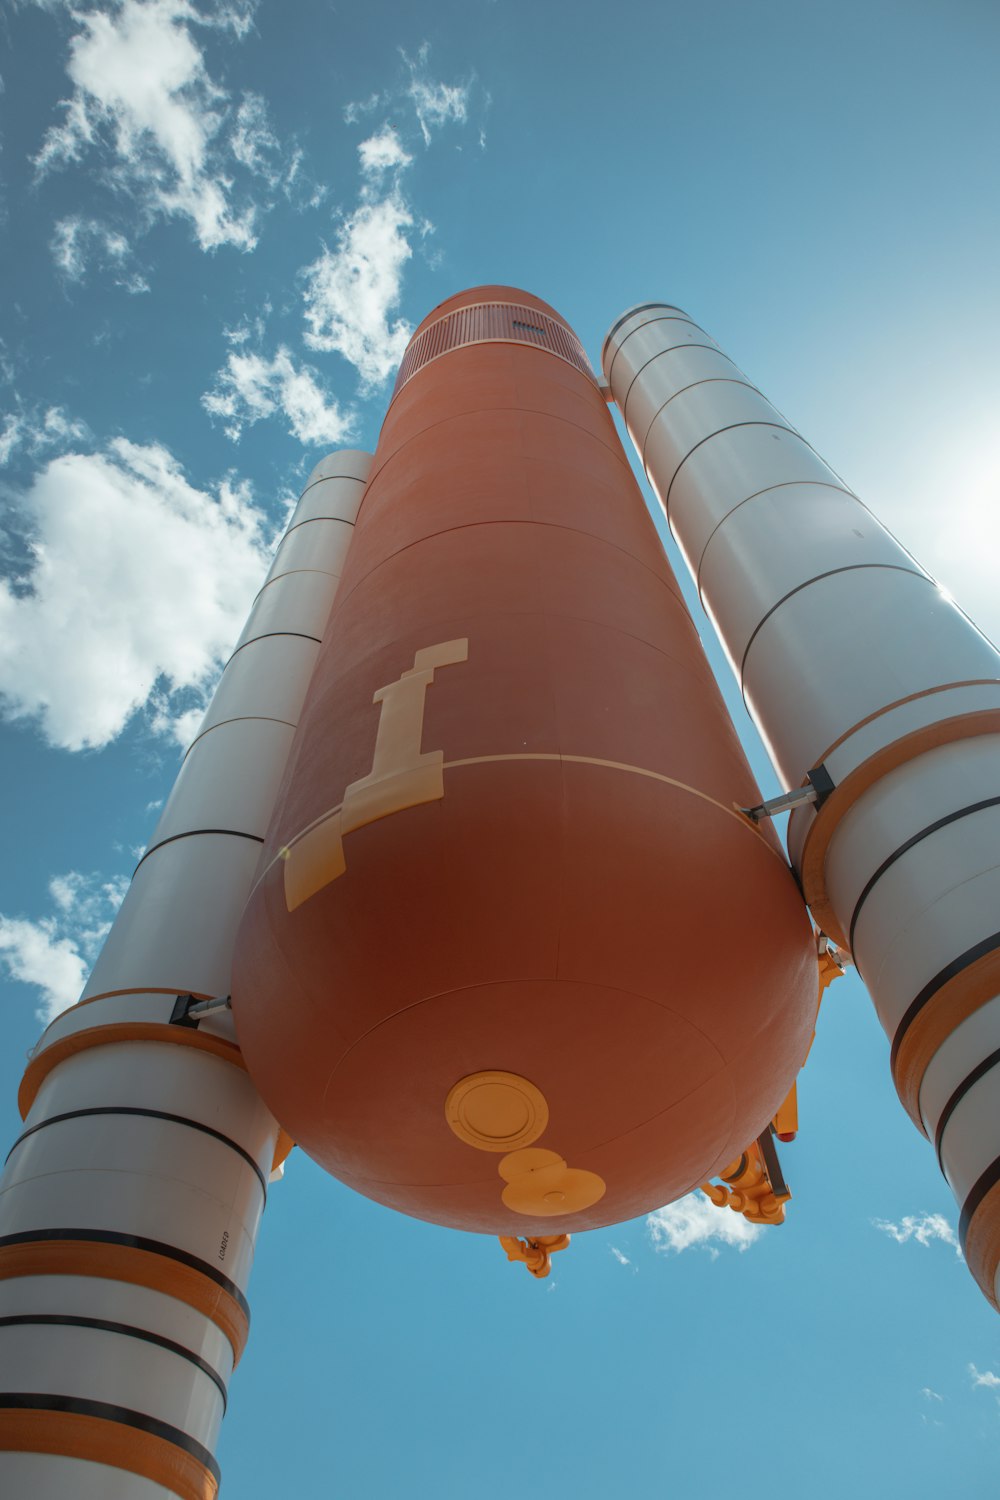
column 864, row 679
column 131, row 1200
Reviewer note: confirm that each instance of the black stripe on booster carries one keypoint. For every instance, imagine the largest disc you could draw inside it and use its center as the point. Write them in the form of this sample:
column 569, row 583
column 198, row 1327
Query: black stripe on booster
column 126, row 1330
column 131, row 1242
column 108, row 1412
column 963, row 812
column 149, row 1114
column 950, row 971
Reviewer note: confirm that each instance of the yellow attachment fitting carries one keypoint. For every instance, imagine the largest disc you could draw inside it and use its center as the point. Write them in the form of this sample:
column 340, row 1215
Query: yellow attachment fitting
column 748, row 1189
column 534, row 1254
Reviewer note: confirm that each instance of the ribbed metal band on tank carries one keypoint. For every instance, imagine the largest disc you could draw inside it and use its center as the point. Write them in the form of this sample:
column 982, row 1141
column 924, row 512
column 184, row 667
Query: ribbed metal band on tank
column 492, row 323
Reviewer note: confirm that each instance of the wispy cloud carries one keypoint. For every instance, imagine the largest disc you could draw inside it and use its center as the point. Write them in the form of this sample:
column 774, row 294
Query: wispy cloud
column 166, row 133
column 695, row 1223
column 622, row 1260
column 352, row 291
column 985, row 1378
column 53, row 954
column 131, row 595
column 924, row 1228
column 435, row 104
column 251, row 387
column 36, row 430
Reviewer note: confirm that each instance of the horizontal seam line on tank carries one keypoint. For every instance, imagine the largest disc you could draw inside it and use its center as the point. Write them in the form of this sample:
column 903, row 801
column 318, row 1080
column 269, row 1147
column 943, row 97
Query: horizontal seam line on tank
column 126, row 1330
column 291, row 573
column 680, row 318
column 516, row 343
column 978, row 1072
column 950, row 971
column 783, row 484
column 634, row 312
column 730, row 427
column 520, row 979
column 977, row 1193
column 325, row 479
column 733, row 811
column 709, row 380
column 194, row 833
column 311, row 521
column 130, row 1242
column 953, row 817
column 672, row 348
column 266, row 635
column 109, row 1411
column 617, row 452
column 552, row 525
column 149, row 1114
column 238, row 719
column 818, row 578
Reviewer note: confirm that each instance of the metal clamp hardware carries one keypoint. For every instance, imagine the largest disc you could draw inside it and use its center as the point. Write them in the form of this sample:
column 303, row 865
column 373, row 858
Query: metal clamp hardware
column 188, row 1011
column 819, row 785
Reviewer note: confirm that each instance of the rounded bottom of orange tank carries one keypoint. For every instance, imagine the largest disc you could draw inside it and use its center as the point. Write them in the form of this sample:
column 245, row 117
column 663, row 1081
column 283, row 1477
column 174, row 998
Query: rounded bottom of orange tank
column 653, row 1032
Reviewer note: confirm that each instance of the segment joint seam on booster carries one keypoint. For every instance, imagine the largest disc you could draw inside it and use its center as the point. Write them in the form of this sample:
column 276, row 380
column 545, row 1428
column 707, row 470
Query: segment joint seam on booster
column 980, row 1071
column 668, row 349
column 237, row 719
column 693, row 385
column 953, row 817
column 784, row 484
column 818, row 578
column 634, row 312
column 194, row 833
column 266, row 635
column 124, row 1330
column 730, row 427
column 679, row 317
column 100, row 1111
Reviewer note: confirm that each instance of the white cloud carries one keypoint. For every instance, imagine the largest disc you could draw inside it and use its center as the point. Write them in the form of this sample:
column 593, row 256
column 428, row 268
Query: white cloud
column 137, row 585
column 11, row 436
column 54, row 954
column 622, row 1260
column 351, row 291
column 36, row 431
column 930, row 1395
column 984, row 1378
column 435, row 104
column 920, row 1227
column 694, row 1222
column 251, row 388
column 382, row 153
column 142, row 96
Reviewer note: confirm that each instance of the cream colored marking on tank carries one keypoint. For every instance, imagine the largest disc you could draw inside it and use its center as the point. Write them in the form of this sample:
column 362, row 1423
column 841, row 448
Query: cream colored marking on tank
column 402, row 775
column 316, row 857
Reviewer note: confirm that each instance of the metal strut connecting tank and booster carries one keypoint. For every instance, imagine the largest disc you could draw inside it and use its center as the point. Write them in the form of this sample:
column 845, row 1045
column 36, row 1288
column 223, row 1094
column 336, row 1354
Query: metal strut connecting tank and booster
column 464, row 835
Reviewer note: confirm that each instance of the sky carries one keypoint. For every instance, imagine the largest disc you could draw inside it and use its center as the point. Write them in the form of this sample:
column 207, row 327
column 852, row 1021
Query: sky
column 220, row 220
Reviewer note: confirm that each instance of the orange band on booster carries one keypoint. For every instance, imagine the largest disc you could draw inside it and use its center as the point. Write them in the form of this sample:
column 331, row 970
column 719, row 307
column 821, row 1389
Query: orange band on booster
column 137, row 1267
column 100, row 1441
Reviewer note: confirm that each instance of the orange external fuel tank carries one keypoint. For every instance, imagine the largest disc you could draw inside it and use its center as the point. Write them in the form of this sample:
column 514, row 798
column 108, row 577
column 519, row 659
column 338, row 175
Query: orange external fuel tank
column 515, row 962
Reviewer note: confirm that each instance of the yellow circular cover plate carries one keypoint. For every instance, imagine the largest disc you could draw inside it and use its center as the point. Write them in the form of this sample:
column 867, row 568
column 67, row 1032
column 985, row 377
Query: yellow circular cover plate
column 496, row 1111
column 540, row 1183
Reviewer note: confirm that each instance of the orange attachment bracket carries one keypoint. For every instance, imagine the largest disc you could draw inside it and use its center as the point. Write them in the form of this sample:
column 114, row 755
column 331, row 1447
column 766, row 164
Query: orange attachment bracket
column 753, row 1185
column 535, row 1254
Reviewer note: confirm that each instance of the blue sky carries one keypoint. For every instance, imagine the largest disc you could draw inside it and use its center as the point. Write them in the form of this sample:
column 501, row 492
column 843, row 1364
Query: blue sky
column 185, row 190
